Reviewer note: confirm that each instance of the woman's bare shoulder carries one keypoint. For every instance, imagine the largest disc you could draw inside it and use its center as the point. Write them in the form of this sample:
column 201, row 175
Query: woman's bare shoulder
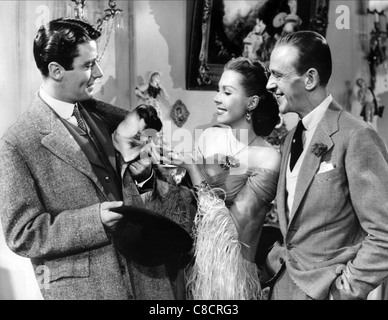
column 265, row 157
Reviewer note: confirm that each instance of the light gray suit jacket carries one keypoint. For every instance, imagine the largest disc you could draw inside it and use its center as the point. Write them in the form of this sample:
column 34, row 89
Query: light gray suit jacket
column 339, row 217
column 49, row 206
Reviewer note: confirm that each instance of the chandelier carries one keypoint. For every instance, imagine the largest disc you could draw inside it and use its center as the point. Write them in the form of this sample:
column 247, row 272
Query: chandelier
column 110, row 18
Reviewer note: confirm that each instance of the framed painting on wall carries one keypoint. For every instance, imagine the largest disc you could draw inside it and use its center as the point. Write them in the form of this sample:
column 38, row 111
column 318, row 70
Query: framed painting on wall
column 219, row 30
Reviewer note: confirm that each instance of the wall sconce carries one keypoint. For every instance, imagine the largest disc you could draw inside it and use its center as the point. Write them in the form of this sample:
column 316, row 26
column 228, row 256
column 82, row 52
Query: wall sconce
column 79, row 9
column 111, row 13
column 378, row 37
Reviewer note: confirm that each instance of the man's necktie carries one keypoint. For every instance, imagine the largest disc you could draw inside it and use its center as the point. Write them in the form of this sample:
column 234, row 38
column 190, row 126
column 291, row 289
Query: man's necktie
column 80, row 121
column 297, row 144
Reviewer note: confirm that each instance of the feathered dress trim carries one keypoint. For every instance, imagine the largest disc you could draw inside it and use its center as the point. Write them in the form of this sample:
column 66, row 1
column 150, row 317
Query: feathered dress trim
column 170, row 200
column 219, row 271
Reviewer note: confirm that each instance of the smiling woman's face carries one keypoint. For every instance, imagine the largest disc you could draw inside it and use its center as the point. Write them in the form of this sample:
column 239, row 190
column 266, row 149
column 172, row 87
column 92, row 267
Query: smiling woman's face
column 231, row 100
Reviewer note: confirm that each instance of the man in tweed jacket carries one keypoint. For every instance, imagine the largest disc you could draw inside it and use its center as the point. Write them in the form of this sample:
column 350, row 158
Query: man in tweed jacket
column 59, row 183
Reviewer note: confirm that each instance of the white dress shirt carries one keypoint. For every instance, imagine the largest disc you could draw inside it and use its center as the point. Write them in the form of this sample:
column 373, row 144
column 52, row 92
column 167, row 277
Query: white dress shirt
column 310, row 122
column 63, row 109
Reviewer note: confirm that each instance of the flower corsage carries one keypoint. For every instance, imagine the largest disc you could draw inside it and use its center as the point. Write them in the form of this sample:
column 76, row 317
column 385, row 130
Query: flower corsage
column 319, row 149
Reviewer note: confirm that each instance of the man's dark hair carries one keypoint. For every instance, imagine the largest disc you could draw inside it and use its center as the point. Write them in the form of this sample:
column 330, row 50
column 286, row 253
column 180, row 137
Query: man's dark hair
column 313, row 52
column 58, row 42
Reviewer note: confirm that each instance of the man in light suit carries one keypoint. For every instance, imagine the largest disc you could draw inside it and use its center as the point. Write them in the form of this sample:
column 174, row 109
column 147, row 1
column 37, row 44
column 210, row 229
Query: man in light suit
column 60, row 178
column 333, row 203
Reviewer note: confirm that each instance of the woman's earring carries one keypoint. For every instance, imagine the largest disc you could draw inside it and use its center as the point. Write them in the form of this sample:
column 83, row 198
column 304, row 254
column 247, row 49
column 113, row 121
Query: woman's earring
column 249, row 116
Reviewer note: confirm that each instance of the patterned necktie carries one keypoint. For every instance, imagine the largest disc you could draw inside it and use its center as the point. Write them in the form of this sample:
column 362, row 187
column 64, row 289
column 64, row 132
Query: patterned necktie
column 297, row 144
column 80, row 121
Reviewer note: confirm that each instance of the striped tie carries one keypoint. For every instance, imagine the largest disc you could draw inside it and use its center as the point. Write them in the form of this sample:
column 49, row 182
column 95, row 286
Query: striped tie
column 80, row 121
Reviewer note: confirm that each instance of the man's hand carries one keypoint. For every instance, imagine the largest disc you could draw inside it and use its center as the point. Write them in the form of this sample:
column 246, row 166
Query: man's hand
column 110, row 218
column 141, row 169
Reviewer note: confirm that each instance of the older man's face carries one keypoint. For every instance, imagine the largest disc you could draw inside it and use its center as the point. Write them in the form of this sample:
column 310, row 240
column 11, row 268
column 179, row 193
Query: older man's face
column 287, row 86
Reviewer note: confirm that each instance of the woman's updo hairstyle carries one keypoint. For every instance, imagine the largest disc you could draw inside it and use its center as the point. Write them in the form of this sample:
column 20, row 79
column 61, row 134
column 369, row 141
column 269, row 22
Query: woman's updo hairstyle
column 254, row 80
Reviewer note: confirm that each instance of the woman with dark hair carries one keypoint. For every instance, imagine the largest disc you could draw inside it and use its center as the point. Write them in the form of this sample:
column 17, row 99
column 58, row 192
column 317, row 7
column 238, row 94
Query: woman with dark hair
column 234, row 172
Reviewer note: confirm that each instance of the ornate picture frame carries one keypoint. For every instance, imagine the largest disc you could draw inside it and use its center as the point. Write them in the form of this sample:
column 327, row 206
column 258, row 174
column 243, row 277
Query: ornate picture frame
column 215, row 37
column 179, row 113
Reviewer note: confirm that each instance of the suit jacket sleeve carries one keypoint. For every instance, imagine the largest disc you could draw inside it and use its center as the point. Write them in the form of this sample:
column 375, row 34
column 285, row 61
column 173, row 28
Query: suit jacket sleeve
column 29, row 229
column 111, row 114
column 366, row 164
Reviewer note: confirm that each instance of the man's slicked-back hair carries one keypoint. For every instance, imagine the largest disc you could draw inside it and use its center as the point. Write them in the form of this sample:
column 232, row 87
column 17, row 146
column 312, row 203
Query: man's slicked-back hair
column 313, row 52
column 58, row 42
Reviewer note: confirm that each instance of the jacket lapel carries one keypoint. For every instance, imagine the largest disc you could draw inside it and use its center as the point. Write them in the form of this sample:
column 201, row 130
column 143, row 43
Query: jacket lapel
column 57, row 139
column 310, row 165
column 281, row 190
column 103, row 135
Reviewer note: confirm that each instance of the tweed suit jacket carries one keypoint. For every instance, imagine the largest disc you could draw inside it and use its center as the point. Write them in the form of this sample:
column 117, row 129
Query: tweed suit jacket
column 339, row 217
column 50, row 212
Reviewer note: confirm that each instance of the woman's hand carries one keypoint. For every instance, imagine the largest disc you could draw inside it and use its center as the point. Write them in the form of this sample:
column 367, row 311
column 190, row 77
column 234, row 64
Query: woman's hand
column 161, row 155
column 141, row 169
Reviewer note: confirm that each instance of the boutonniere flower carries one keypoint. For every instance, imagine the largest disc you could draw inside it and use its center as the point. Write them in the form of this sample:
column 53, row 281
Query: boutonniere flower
column 319, row 149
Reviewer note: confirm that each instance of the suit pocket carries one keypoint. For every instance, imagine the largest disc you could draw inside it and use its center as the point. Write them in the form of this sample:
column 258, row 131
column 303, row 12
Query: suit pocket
column 75, row 266
column 327, row 176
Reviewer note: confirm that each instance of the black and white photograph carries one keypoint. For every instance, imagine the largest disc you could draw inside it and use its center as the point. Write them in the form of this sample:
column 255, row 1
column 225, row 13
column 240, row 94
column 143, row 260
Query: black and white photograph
column 195, row 152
